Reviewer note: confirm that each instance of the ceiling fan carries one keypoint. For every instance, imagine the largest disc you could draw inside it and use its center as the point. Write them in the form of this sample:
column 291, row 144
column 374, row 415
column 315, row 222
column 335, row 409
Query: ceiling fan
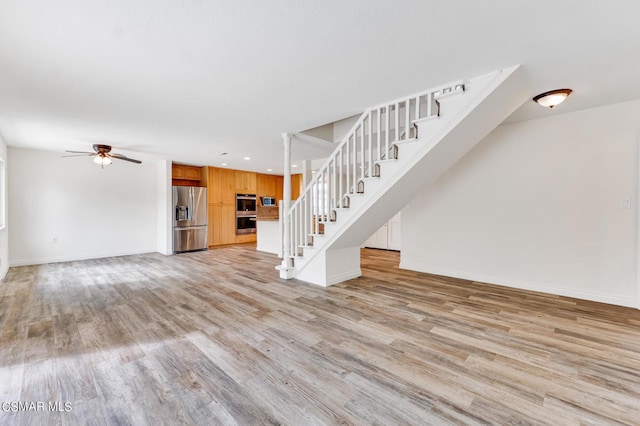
column 102, row 154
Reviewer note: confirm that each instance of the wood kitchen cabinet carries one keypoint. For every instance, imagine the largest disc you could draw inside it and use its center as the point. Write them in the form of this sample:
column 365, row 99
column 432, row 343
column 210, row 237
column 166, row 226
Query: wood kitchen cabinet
column 266, row 185
column 222, row 206
column 296, row 187
column 245, row 182
column 224, row 184
column 183, row 175
column 246, row 238
column 279, row 188
column 183, row 172
column 221, row 186
column 222, row 224
column 192, row 173
column 177, row 171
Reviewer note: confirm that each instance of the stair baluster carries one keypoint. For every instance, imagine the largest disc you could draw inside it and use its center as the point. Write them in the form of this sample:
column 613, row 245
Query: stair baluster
column 357, row 157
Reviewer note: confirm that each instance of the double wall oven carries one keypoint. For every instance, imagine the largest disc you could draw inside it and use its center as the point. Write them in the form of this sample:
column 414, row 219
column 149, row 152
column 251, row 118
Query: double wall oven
column 245, row 214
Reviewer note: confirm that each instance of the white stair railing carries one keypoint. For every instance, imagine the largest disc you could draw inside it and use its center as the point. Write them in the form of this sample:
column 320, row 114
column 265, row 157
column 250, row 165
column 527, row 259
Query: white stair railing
column 371, row 140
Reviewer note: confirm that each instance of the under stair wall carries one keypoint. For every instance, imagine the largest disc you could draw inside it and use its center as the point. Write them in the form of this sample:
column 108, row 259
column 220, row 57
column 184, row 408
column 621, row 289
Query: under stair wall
column 464, row 119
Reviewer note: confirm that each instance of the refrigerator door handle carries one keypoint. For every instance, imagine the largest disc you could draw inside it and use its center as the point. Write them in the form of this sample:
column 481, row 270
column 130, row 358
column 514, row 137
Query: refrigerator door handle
column 186, row 228
column 191, row 204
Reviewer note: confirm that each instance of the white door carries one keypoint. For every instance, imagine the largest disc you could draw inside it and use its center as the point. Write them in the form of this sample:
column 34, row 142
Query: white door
column 393, row 233
column 387, row 237
column 378, row 239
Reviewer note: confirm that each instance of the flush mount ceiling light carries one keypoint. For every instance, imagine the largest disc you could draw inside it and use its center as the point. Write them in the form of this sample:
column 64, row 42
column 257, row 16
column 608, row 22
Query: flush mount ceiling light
column 552, row 98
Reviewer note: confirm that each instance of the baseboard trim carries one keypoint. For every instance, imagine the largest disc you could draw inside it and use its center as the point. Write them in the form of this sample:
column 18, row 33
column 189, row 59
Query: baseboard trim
column 74, row 257
column 349, row 275
column 328, row 281
column 522, row 285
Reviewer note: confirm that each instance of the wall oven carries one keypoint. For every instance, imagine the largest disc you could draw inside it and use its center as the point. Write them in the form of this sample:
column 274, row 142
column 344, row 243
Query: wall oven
column 246, row 203
column 245, row 214
column 245, row 225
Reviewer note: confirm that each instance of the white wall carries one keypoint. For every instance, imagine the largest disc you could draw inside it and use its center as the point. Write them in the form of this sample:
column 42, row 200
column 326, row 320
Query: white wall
column 4, row 232
column 537, row 205
column 323, row 132
column 164, row 206
column 342, row 127
column 90, row 212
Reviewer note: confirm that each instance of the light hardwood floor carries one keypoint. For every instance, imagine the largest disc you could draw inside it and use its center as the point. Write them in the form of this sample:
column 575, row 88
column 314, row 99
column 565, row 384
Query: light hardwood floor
column 216, row 338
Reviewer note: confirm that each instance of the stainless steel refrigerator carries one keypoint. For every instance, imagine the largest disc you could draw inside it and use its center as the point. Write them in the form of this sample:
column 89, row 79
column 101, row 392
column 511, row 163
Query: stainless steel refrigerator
column 189, row 218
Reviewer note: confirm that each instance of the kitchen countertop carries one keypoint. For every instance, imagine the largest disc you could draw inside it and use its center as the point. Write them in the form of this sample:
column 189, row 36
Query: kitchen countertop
column 267, row 213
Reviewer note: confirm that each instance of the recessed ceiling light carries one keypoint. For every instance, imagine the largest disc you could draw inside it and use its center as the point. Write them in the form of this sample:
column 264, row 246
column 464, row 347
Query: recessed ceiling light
column 247, row 158
column 224, row 164
column 294, row 165
column 269, row 170
column 552, row 98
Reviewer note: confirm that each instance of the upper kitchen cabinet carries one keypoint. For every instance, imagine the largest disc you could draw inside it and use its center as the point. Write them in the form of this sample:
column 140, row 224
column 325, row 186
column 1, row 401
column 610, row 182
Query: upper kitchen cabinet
column 222, row 184
column 183, row 175
column 180, row 171
column 245, row 182
column 192, row 173
column 266, row 185
column 296, row 187
column 177, row 171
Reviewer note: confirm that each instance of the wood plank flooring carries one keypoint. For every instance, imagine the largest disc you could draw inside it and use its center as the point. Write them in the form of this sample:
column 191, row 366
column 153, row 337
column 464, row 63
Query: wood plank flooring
column 198, row 339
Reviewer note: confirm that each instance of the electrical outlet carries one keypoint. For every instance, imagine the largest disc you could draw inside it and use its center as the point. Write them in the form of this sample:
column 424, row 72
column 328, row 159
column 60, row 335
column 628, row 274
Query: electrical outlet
column 625, row 203
column 54, row 240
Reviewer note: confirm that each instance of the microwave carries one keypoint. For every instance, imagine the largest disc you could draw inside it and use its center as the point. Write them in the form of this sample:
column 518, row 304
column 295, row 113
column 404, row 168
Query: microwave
column 268, row 201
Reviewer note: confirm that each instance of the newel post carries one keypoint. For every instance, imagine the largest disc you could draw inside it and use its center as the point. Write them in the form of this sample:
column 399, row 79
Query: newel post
column 286, row 267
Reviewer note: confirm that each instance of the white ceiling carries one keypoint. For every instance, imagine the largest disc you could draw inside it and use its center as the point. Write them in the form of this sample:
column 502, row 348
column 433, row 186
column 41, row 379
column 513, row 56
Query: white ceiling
column 187, row 80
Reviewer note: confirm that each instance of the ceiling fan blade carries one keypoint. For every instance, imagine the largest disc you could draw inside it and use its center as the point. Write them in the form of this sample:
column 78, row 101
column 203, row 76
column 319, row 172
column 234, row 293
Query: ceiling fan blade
column 81, row 152
column 79, row 155
column 124, row 157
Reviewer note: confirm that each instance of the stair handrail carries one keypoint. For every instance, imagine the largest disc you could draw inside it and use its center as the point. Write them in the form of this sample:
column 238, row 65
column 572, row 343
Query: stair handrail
column 325, row 165
column 311, row 209
column 357, row 124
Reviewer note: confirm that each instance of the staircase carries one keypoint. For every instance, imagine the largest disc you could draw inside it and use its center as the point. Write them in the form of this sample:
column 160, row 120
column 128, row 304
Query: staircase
column 390, row 153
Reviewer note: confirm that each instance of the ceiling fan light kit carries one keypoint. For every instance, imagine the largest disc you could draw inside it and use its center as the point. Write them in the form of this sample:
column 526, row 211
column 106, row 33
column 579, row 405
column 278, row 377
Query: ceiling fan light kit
column 102, row 155
column 103, row 161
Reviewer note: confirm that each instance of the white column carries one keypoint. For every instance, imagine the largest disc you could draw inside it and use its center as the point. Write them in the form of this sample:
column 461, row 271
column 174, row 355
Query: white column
column 165, row 218
column 286, row 267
